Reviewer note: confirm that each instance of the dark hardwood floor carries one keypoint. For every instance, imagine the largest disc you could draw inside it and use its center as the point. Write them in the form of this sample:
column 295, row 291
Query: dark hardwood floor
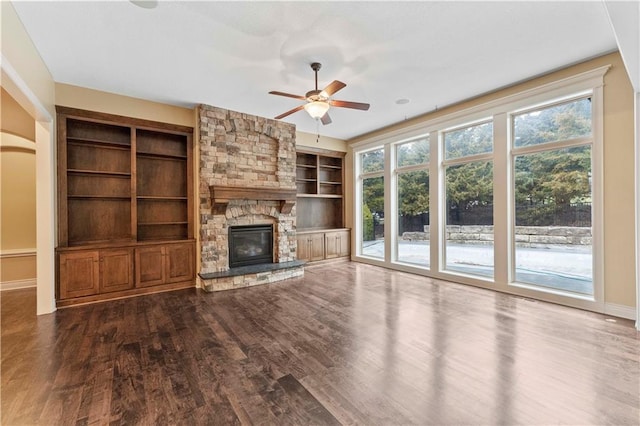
column 346, row 344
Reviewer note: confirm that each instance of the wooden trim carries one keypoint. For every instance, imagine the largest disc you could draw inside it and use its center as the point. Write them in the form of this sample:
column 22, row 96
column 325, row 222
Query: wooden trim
column 120, row 244
column 63, row 224
column 320, row 151
column 190, row 180
column 121, row 120
column 133, row 167
column 221, row 195
column 125, row 294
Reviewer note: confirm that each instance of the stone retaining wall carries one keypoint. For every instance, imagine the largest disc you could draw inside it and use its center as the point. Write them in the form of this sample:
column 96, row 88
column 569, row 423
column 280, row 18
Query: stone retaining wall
column 528, row 236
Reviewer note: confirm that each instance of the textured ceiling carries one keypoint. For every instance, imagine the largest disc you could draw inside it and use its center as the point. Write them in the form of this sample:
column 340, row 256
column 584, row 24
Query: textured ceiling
column 231, row 54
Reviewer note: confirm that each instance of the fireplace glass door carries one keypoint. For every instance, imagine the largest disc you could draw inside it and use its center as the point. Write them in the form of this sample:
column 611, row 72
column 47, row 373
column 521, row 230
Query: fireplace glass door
column 250, row 245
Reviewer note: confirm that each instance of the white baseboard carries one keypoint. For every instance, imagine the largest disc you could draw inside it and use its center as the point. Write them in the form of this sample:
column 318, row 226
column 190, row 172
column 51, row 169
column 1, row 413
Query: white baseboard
column 621, row 311
column 16, row 284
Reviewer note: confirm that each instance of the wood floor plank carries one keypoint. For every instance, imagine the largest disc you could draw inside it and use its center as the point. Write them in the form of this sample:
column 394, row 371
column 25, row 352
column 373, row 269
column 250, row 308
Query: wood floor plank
column 345, row 344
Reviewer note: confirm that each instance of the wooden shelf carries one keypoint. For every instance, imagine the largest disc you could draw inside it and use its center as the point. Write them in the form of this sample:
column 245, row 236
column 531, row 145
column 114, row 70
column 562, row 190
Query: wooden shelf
column 98, row 197
column 159, row 198
column 330, row 167
column 318, row 196
column 330, row 183
column 221, row 195
column 161, row 223
column 99, row 142
column 306, row 180
column 306, row 166
column 98, row 172
column 161, row 156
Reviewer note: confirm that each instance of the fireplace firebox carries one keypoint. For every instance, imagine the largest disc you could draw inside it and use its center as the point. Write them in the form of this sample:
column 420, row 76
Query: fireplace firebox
column 250, row 245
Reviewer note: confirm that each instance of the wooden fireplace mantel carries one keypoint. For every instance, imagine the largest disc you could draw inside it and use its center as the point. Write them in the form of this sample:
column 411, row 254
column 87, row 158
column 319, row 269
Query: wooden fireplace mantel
column 221, row 195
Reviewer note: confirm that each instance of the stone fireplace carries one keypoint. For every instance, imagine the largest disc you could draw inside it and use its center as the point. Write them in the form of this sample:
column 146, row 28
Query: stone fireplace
column 247, row 178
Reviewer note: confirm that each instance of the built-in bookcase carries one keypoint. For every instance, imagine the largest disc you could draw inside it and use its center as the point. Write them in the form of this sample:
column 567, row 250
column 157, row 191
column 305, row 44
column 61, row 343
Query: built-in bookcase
column 320, row 205
column 161, row 186
column 123, row 183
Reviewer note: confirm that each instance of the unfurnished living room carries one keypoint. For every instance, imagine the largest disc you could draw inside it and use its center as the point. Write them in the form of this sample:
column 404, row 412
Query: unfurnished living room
column 310, row 213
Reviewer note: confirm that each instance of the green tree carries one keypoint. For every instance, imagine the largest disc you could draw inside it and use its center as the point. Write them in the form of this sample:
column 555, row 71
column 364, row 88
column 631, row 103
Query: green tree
column 373, row 194
column 367, row 224
column 413, row 193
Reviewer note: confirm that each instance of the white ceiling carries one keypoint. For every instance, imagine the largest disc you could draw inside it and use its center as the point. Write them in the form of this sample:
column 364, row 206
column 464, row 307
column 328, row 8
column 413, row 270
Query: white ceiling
column 230, row 54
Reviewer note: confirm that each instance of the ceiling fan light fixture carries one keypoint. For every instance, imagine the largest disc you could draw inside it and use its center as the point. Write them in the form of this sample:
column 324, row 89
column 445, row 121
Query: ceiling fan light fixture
column 317, row 109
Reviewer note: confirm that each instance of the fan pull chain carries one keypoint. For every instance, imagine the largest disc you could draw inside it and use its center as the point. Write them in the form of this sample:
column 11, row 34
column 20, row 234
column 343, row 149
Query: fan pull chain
column 318, row 130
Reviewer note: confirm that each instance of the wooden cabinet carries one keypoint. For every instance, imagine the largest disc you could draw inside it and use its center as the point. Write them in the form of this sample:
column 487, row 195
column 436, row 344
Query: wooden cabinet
column 180, row 262
column 116, row 270
column 122, row 183
column 79, row 274
column 162, row 264
column 321, row 245
column 90, row 272
column 336, row 244
column 150, row 263
column 310, row 246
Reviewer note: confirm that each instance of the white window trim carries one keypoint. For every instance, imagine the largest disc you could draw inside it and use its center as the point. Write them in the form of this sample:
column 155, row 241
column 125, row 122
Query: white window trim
column 596, row 181
column 556, row 91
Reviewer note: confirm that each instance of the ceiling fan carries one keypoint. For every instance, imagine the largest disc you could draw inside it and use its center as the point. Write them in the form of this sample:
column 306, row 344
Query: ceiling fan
column 319, row 101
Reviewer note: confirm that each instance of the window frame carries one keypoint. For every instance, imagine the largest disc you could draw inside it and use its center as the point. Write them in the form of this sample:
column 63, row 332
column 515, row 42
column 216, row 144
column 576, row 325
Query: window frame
column 396, row 172
column 596, row 219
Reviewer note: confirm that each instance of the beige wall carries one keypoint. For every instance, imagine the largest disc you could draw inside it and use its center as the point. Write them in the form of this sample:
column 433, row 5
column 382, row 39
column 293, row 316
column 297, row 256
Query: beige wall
column 17, row 194
column 14, row 119
column 96, row 100
column 25, row 62
column 619, row 222
column 17, row 209
column 27, row 79
column 324, row 142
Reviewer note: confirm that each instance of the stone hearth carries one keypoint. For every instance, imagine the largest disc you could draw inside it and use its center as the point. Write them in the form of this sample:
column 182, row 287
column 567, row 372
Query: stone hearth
column 247, row 177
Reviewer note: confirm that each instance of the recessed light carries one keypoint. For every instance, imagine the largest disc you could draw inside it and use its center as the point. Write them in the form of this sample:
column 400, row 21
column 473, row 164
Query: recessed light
column 402, row 101
column 145, row 4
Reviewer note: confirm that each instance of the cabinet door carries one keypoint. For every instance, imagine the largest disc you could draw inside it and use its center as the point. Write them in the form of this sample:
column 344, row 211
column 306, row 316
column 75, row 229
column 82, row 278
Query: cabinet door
column 79, row 274
column 179, row 262
column 116, row 270
column 317, row 246
column 304, row 250
column 150, row 266
column 337, row 244
column 331, row 245
column 343, row 243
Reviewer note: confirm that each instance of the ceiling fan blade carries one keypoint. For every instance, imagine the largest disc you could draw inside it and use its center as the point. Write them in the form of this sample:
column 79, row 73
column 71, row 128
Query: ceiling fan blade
column 333, row 87
column 291, row 111
column 326, row 119
column 347, row 104
column 288, row 95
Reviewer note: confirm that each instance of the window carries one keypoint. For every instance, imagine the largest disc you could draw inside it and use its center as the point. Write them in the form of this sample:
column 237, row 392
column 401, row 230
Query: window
column 372, row 210
column 468, row 175
column 412, row 167
column 552, row 197
column 504, row 195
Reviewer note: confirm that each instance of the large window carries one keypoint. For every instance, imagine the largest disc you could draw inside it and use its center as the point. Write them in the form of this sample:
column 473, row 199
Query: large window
column 504, row 195
column 412, row 167
column 372, row 210
column 468, row 171
column 553, row 196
